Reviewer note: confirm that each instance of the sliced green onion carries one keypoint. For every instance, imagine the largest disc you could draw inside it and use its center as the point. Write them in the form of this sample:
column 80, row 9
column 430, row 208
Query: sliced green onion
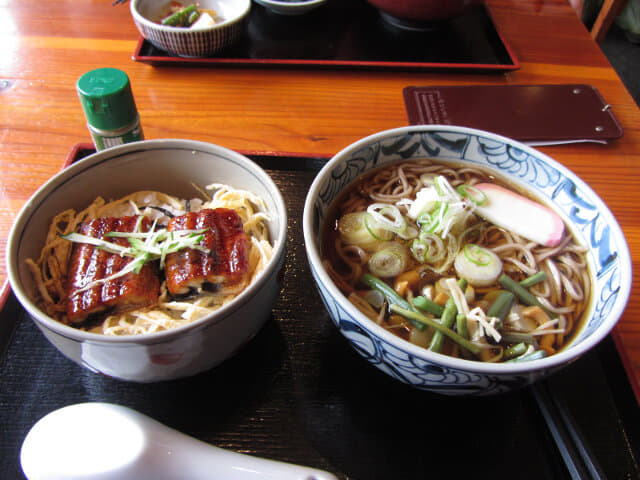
column 389, row 261
column 480, row 266
column 134, row 234
column 474, row 194
column 408, row 233
column 437, row 184
column 444, row 209
column 388, row 216
column 419, row 250
column 134, row 266
column 353, row 230
column 139, row 246
column 437, row 249
column 97, row 242
column 143, row 247
column 424, row 221
column 445, row 189
column 428, row 179
column 376, row 230
column 476, row 254
column 429, row 222
column 439, row 216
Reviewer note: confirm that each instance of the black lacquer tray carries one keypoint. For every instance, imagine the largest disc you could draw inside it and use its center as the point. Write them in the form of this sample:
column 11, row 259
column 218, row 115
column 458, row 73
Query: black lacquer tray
column 351, row 33
column 299, row 393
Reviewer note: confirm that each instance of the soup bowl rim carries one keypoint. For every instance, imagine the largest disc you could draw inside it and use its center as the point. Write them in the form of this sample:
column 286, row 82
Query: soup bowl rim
column 566, row 355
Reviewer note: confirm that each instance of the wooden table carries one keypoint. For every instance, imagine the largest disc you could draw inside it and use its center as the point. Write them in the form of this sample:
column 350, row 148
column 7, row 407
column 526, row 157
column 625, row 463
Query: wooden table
column 313, row 111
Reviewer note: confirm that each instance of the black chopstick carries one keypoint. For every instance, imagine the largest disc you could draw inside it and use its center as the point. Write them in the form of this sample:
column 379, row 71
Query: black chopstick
column 573, row 448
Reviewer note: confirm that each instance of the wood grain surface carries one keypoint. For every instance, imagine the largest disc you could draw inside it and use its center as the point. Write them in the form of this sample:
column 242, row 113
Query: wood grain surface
column 313, row 111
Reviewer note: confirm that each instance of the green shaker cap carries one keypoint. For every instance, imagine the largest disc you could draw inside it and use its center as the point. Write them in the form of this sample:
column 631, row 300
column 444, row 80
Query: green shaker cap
column 106, row 97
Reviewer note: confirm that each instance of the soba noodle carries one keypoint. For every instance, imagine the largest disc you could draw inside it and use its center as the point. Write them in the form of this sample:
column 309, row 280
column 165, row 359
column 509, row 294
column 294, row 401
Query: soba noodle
column 545, row 326
column 50, row 270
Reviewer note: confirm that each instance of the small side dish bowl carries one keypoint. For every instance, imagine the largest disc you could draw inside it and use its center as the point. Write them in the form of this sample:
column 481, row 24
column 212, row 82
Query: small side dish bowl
column 527, row 170
column 291, row 7
column 172, row 167
column 192, row 42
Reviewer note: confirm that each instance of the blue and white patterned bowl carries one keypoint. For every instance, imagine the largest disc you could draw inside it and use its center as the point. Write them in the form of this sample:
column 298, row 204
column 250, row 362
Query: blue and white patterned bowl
column 586, row 215
column 187, row 42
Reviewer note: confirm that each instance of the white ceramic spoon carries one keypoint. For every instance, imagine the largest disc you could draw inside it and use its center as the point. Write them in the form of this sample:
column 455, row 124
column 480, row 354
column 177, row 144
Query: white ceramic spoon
column 102, row 441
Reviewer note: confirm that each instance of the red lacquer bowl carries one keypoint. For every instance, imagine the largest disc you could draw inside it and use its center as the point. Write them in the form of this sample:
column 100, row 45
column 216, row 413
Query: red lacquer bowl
column 423, row 10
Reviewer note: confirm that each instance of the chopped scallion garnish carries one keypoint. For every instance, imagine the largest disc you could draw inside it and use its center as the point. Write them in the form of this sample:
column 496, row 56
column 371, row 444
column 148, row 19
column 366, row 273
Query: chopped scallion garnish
column 143, row 246
column 477, row 254
column 474, row 194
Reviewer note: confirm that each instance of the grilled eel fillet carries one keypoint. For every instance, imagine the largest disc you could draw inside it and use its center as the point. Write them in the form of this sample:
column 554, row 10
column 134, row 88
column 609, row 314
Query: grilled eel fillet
column 88, row 264
column 225, row 266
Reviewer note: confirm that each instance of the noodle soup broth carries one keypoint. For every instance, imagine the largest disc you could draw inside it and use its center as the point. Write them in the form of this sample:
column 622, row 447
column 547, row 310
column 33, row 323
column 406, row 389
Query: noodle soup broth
column 413, row 236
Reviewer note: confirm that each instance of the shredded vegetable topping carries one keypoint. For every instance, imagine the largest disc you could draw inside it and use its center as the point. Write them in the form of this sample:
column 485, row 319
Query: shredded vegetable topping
column 144, row 247
column 51, row 268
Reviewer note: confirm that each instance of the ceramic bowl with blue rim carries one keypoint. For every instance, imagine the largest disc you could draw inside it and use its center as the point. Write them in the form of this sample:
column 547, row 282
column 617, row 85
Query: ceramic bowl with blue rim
column 527, row 169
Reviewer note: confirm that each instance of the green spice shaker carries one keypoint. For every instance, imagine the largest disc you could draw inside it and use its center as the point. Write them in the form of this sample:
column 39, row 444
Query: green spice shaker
column 107, row 100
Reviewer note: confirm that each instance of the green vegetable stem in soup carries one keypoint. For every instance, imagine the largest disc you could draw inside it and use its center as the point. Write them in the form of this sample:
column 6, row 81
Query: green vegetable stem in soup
column 457, row 261
column 176, row 14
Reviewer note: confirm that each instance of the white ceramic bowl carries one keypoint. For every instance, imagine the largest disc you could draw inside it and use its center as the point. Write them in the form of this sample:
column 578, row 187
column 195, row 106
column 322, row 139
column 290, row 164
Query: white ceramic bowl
column 169, row 166
column 586, row 215
column 291, row 7
column 187, row 42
